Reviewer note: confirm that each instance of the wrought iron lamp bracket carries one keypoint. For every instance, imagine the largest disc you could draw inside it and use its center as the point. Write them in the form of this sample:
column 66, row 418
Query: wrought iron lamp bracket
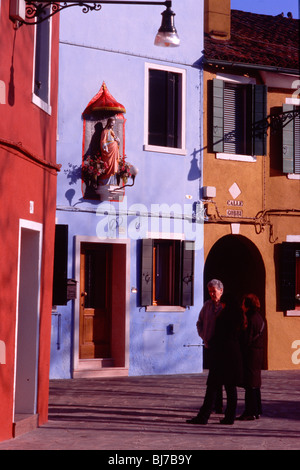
column 280, row 120
column 276, row 122
column 39, row 11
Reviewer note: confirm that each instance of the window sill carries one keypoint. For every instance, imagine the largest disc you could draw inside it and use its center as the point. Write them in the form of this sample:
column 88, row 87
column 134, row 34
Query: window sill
column 165, row 308
column 292, row 313
column 41, row 104
column 156, row 148
column 293, row 176
column 236, row 158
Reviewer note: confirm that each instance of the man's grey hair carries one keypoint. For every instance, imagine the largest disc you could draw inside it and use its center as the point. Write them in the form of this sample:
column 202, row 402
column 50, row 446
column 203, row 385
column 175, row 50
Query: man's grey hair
column 215, row 283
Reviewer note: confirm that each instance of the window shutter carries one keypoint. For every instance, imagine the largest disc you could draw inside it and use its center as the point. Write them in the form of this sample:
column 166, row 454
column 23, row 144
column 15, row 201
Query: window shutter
column 172, row 109
column 259, row 116
column 230, row 128
column 218, row 116
column 187, row 283
column 146, row 272
column 157, row 107
column 234, row 119
column 288, row 141
column 288, row 275
column 297, row 144
column 41, row 79
column 60, row 270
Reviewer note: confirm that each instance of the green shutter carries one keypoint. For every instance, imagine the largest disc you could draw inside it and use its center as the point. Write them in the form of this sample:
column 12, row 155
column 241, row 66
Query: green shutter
column 288, row 141
column 288, row 275
column 146, row 273
column 297, row 142
column 218, row 116
column 259, row 119
column 187, row 286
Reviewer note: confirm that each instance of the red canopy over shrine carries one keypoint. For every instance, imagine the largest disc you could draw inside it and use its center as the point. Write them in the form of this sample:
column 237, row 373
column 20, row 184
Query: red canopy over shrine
column 104, row 101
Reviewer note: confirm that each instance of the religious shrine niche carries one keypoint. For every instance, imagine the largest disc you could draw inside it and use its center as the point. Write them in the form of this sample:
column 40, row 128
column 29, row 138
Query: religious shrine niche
column 105, row 170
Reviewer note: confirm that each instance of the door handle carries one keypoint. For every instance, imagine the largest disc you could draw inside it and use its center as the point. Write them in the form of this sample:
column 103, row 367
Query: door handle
column 83, row 296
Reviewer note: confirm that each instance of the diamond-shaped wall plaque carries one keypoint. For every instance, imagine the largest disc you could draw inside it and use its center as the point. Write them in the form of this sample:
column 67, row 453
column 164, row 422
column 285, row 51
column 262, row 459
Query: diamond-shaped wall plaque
column 234, row 190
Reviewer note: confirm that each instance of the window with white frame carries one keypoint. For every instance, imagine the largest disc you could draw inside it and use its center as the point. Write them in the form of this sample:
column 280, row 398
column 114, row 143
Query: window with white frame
column 165, row 107
column 42, row 67
column 167, row 273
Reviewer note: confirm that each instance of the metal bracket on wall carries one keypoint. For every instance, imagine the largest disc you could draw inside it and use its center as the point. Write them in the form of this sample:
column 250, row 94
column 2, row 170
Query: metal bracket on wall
column 38, row 11
column 58, row 337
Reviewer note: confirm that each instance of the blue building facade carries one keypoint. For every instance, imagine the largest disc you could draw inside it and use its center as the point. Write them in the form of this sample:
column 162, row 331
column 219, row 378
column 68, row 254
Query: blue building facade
column 133, row 256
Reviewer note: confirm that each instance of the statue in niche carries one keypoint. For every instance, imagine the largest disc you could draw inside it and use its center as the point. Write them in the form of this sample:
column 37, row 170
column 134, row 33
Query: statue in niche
column 103, row 143
column 109, row 148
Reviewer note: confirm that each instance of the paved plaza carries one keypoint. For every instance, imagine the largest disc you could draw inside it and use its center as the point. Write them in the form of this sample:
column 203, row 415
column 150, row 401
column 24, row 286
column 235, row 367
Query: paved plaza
column 149, row 413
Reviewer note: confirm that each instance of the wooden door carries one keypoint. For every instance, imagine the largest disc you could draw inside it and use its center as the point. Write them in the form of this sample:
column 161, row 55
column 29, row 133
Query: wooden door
column 95, row 302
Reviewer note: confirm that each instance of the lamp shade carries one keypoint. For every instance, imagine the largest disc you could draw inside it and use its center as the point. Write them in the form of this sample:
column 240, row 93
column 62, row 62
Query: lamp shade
column 167, row 35
column 133, row 171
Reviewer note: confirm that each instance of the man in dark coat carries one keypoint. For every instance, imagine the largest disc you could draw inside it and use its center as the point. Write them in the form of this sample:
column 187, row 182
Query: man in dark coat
column 226, row 363
column 206, row 327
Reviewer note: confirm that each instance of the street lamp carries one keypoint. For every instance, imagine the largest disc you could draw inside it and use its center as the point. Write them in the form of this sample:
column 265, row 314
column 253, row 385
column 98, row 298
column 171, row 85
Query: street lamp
column 167, row 35
column 30, row 12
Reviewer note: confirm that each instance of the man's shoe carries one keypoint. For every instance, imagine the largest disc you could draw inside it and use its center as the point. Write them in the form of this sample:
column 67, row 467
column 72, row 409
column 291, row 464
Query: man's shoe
column 226, row 421
column 246, row 418
column 196, row 420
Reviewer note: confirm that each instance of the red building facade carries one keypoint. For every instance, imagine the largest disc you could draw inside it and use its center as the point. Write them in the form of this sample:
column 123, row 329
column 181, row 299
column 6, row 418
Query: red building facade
column 28, row 123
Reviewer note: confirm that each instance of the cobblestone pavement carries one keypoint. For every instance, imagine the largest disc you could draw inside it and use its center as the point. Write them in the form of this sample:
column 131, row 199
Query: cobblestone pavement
column 149, row 413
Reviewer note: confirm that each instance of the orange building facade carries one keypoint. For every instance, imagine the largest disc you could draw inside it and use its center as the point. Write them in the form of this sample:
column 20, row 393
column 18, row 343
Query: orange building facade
column 251, row 168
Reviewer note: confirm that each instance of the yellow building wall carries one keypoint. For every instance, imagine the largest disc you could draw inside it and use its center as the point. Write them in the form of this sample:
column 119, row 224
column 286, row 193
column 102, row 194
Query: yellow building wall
column 263, row 186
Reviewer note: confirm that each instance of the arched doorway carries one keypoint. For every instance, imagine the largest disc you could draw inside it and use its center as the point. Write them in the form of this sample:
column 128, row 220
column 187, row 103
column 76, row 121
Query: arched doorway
column 237, row 262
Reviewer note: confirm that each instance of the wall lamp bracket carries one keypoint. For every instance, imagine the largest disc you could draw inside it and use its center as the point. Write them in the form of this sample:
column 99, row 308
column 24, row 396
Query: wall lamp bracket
column 32, row 12
column 37, row 11
column 133, row 171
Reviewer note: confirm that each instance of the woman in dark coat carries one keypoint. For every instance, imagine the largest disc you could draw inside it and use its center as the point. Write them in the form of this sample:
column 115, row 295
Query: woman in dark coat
column 226, row 363
column 253, row 350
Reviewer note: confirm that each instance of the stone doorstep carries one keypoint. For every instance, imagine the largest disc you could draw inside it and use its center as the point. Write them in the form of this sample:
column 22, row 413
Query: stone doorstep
column 87, row 364
column 24, row 423
column 102, row 367
column 104, row 372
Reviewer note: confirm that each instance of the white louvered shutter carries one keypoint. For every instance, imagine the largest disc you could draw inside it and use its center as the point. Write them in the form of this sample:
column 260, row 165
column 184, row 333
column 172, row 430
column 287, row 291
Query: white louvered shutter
column 297, row 145
column 234, row 119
